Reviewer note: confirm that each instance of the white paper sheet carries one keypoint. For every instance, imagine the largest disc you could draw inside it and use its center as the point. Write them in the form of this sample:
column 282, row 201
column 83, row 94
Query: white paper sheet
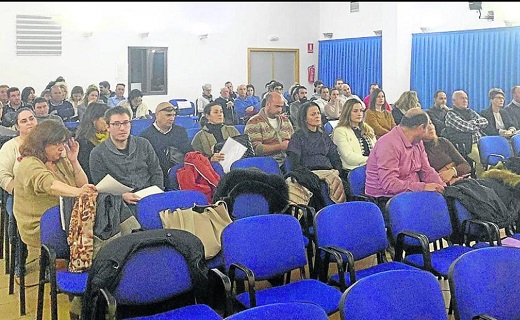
column 110, row 185
column 183, row 104
column 232, row 151
column 148, row 191
column 333, row 123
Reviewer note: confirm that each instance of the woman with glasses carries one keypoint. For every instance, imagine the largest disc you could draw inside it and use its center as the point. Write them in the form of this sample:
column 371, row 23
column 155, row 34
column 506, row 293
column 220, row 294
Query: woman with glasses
column 48, row 168
column 499, row 121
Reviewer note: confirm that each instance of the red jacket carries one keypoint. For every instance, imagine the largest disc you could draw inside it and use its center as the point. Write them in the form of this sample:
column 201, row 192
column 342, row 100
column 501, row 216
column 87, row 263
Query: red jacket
column 198, row 174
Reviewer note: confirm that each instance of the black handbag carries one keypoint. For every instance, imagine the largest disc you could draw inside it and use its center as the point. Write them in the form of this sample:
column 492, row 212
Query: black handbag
column 174, row 156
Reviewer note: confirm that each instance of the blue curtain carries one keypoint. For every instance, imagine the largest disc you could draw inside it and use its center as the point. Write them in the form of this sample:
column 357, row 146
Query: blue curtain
column 474, row 61
column 358, row 61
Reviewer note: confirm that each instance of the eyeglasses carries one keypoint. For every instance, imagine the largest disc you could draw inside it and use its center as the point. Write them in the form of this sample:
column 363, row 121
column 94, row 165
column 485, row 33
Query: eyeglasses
column 125, row 124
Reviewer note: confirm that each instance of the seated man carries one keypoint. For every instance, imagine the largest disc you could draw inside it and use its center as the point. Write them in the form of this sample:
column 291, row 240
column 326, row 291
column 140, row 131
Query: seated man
column 398, row 161
column 59, row 106
column 270, row 131
column 128, row 159
column 163, row 134
column 41, row 109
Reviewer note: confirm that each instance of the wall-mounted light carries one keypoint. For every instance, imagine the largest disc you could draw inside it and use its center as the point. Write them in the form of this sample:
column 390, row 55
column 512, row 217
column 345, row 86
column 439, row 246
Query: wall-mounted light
column 274, row 38
column 87, row 34
column 425, row 29
column 144, row 34
column 203, row 36
column 328, row 35
column 378, row 32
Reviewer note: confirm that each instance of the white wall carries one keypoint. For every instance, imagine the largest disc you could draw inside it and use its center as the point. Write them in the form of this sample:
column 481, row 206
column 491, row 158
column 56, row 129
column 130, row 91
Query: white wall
column 232, row 29
column 399, row 21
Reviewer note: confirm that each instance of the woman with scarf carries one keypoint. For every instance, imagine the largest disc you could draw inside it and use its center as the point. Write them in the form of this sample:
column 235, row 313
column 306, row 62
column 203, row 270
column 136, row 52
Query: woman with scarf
column 92, row 131
column 213, row 132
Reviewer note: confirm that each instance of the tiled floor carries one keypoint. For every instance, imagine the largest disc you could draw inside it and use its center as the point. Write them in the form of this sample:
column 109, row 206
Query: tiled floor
column 9, row 304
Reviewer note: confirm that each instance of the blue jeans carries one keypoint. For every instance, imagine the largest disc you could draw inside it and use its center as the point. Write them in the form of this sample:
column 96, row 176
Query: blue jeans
column 11, row 233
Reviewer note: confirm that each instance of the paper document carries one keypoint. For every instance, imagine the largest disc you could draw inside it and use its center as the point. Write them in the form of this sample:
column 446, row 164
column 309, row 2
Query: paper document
column 148, row 191
column 232, row 151
column 183, row 104
column 110, row 185
column 333, row 123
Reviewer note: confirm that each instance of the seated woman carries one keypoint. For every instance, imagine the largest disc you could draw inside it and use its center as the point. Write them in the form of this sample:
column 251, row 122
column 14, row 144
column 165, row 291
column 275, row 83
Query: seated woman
column 134, row 103
column 353, row 137
column 213, row 132
column 334, row 107
column 92, row 131
column 444, row 157
column 25, row 122
column 500, row 122
column 91, row 96
column 43, row 175
column 406, row 101
column 377, row 117
column 310, row 148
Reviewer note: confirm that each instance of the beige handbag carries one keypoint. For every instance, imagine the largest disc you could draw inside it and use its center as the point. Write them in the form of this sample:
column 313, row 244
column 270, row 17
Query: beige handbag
column 206, row 222
column 298, row 194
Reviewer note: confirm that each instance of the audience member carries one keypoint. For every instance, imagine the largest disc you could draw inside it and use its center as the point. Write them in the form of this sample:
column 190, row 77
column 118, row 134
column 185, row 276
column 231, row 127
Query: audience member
column 377, row 117
column 9, row 110
column 28, row 96
column 252, row 94
column 299, row 94
column 41, row 109
column 91, row 96
column 323, row 99
column 499, row 121
column 213, row 132
column 129, row 159
column 513, row 108
column 92, row 130
column 366, row 100
column 353, row 137
column 46, row 93
column 318, row 84
column 228, row 107
column 138, row 109
column 105, row 92
column 3, row 94
column 244, row 106
column 58, row 105
column 406, row 101
column 444, row 158
column 76, row 97
column 338, row 83
column 166, row 137
column 118, row 96
column 43, row 175
column 334, row 107
column 399, row 163
column 463, row 128
column 232, row 93
column 9, row 154
column 438, row 111
column 346, row 94
column 205, row 99
column 270, row 131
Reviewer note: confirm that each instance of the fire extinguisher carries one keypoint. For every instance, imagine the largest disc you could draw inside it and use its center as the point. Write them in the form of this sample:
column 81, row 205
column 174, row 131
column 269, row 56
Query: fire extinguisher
column 311, row 72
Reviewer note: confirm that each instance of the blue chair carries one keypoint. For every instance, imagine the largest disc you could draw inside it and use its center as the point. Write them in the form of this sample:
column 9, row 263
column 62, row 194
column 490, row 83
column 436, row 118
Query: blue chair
column 184, row 107
column 153, row 274
column 266, row 246
column 172, row 173
column 286, row 311
column 515, row 143
column 328, row 128
column 71, row 125
column 186, row 122
column 485, row 282
column 418, row 219
column 493, row 149
column 192, row 132
column 139, row 125
column 240, row 128
column 352, row 231
column 394, row 295
column 356, row 179
column 266, row 164
column 55, row 246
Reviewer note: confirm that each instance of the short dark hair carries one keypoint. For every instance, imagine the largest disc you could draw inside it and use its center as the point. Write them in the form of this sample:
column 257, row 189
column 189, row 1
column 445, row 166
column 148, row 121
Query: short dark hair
column 437, row 93
column 207, row 108
column 39, row 100
column 104, row 84
column 116, row 110
column 318, row 82
column 121, row 84
column 12, row 89
column 415, row 120
column 134, row 93
column 275, row 84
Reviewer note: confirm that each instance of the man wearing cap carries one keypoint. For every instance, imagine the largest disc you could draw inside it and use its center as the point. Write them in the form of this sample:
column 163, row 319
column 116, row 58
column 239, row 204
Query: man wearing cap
column 205, row 99
column 499, row 121
column 163, row 134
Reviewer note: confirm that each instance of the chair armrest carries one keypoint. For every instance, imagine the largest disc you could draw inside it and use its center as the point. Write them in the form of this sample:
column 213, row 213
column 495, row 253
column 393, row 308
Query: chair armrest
column 502, row 158
column 228, row 308
column 110, row 303
column 492, row 230
column 483, row 317
column 338, row 255
column 48, row 258
column 424, row 242
column 250, row 280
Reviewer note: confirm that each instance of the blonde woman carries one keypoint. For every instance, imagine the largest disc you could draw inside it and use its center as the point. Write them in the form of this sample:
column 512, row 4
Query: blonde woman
column 406, row 101
column 353, row 137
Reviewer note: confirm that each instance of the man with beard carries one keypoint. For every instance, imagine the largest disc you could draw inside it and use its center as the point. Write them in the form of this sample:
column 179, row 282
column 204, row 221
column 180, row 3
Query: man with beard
column 300, row 94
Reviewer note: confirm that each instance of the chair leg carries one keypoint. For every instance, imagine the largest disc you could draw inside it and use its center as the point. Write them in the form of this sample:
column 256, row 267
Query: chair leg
column 21, row 259
column 41, row 288
column 13, row 248
column 3, row 233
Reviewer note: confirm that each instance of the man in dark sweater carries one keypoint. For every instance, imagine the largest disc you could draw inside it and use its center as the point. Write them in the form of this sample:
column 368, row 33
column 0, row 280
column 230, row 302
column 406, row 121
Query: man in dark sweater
column 163, row 133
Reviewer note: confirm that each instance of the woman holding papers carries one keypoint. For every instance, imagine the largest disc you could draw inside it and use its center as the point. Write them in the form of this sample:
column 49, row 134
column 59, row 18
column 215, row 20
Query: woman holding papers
column 212, row 132
column 43, row 175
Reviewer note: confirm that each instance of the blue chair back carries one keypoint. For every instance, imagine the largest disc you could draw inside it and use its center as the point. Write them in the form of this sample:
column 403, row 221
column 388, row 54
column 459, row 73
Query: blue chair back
column 71, row 125
column 424, row 212
column 240, row 128
column 242, row 206
column 186, row 122
column 148, row 208
column 185, row 108
column 269, row 245
column 51, row 233
column 139, row 125
column 266, row 164
column 394, row 295
column 485, row 281
column 356, row 179
column 328, row 128
column 356, row 226
column 515, row 143
column 286, row 311
column 492, row 149
column 192, row 132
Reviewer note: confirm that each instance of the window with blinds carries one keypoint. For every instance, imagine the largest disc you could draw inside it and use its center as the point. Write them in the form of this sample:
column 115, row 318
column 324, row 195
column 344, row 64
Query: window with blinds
column 37, row 36
column 354, row 7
